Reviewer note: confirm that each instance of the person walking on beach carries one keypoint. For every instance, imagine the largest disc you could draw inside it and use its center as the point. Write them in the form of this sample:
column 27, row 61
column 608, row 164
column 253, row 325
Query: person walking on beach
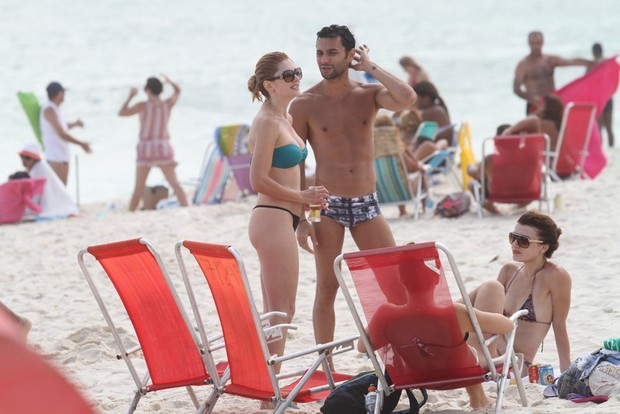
column 54, row 132
column 534, row 75
column 154, row 148
column 278, row 154
column 336, row 116
column 605, row 120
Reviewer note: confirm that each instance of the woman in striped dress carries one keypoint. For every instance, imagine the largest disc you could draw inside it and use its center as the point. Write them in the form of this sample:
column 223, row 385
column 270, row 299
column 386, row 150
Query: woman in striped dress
column 154, row 149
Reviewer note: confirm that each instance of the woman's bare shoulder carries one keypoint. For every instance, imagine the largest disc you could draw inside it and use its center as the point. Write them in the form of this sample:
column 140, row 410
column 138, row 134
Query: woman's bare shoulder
column 508, row 270
column 556, row 273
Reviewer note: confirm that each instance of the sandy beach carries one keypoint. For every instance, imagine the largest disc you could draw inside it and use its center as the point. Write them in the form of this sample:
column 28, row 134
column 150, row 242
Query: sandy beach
column 42, row 281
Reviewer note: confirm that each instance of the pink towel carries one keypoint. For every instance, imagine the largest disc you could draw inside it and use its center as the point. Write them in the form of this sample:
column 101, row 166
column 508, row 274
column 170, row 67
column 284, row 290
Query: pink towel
column 597, row 87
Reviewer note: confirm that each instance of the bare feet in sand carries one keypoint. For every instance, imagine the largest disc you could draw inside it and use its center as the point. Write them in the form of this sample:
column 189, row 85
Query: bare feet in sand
column 491, row 208
column 478, row 398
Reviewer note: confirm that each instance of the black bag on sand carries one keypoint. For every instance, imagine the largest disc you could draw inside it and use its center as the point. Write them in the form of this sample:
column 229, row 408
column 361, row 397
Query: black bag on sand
column 350, row 397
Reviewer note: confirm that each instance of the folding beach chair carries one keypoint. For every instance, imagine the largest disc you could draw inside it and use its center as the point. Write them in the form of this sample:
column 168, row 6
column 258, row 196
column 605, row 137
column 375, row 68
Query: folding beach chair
column 232, row 141
column 520, row 173
column 213, row 178
column 173, row 354
column 427, row 129
column 240, row 166
column 441, row 162
column 252, row 373
column 222, row 168
column 30, row 384
column 16, row 195
column 394, row 182
column 569, row 155
column 412, row 327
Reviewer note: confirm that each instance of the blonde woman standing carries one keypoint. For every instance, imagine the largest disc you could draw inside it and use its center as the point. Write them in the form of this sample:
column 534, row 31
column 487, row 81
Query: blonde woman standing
column 278, row 155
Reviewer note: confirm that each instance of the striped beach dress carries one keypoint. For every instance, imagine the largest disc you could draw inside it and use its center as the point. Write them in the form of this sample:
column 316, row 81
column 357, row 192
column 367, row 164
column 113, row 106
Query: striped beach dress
column 154, row 148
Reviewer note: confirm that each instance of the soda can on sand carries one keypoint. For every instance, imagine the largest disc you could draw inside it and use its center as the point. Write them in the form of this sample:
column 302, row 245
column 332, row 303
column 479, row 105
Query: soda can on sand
column 545, row 373
column 533, row 373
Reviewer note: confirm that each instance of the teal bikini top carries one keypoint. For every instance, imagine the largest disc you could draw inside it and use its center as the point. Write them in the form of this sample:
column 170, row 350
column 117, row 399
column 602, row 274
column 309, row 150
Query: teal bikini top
column 288, row 156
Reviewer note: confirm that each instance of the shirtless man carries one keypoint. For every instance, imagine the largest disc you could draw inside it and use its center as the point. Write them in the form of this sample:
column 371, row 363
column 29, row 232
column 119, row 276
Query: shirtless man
column 336, row 117
column 534, row 73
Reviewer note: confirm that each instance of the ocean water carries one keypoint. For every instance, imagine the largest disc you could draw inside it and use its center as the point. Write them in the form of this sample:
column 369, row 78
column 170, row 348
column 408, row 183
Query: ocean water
column 100, row 49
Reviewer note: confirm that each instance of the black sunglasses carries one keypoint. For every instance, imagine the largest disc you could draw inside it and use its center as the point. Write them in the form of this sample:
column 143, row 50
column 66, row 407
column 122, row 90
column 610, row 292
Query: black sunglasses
column 522, row 241
column 289, row 75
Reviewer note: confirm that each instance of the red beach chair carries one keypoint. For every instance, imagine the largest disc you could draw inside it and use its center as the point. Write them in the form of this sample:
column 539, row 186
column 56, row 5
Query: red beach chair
column 569, row 155
column 520, row 174
column 173, row 354
column 252, row 373
column 411, row 319
column 30, row 384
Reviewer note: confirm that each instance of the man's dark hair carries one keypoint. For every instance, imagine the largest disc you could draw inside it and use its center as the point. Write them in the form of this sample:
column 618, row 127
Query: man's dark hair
column 333, row 31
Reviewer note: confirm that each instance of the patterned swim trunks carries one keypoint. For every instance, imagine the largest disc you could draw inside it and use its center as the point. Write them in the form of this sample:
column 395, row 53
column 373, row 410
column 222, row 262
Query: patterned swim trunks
column 352, row 211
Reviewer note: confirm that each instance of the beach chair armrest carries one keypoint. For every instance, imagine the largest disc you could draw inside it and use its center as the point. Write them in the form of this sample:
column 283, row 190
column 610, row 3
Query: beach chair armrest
column 274, row 333
column 129, row 351
column 342, row 345
column 266, row 315
column 515, row 316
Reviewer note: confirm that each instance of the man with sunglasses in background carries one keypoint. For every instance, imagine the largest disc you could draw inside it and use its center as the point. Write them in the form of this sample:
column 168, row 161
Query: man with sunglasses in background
column 336, row 116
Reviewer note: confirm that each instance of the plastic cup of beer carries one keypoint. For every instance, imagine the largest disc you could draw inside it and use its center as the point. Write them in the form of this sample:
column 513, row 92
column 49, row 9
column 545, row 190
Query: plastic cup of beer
column 315, row 212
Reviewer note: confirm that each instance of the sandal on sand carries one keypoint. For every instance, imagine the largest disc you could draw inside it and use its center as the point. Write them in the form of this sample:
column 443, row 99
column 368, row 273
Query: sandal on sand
column 550, row 391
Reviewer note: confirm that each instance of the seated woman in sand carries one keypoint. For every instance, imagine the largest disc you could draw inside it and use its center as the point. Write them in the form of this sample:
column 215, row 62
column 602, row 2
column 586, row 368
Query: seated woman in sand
column 389, row 324
column 55, row 201
column 546, row 120
column 534, row 283
column 433, row 108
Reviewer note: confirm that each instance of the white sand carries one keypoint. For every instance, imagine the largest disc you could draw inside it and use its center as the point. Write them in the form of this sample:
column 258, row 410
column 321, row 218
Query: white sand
column 42, row 281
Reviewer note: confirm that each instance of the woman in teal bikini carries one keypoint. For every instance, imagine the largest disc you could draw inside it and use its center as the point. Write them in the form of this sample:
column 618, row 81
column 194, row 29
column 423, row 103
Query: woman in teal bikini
column 538, row 285
column 278, row 155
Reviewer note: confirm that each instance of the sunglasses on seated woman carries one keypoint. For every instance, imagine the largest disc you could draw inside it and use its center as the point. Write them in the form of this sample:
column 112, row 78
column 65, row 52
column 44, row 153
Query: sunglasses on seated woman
column 289, row 75
column 522, row 241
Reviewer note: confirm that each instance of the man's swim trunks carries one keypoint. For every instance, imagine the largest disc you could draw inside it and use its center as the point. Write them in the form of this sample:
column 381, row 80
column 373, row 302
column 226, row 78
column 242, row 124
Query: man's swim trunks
column 352, row 211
